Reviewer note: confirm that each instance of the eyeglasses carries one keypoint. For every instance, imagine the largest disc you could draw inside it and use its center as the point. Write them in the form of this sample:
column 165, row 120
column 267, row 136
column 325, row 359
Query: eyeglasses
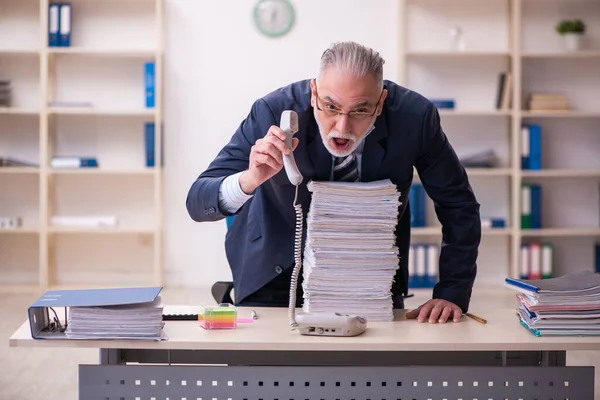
column 362, row 113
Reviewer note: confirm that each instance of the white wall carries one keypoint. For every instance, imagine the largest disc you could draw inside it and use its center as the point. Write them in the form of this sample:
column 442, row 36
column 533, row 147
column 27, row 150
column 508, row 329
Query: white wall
column 216, row 65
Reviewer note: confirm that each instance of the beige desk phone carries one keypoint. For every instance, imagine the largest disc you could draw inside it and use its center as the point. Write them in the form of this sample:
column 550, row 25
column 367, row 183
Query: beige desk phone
column 319, row 323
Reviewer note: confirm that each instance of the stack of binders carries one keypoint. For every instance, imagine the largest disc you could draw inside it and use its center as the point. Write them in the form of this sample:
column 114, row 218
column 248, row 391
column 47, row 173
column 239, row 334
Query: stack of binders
column 568, row 305
column 350, row 256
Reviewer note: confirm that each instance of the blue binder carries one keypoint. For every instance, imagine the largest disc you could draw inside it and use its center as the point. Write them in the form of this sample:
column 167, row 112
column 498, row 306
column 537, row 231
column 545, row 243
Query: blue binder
column 65, row 25
column 53, row 24
column 149, row 133
column 41, row 311
column 149, row 84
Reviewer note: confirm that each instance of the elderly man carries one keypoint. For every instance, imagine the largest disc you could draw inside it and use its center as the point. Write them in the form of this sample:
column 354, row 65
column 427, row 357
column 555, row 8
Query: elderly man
column 350, row 118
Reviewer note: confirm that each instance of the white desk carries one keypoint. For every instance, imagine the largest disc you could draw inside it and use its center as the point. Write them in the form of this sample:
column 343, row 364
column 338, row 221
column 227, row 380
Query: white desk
column 403, row 359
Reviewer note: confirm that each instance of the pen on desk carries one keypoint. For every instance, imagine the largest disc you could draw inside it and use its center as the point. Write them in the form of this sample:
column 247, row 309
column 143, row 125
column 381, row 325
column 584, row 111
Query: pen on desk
column 476, row 318
column 254, row 316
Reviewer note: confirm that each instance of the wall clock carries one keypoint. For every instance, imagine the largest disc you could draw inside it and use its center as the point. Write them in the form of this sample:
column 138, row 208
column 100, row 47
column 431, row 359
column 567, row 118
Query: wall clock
column 274, row 17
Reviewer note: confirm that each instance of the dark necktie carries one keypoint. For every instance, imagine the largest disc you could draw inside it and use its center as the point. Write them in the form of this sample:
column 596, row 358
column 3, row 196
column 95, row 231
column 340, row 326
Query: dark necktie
column 346, row 168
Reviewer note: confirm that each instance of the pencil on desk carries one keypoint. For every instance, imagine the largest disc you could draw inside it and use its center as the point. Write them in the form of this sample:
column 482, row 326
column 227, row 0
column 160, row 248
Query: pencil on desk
column 476, row 318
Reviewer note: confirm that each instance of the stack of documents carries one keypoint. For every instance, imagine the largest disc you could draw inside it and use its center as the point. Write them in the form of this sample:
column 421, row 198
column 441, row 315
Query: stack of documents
column 136, row 321
column 120, row 313
column 350, row 257
column 565, row 306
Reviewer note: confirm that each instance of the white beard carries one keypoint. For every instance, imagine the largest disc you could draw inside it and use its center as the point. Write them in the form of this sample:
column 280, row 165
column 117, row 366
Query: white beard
column 354, row 140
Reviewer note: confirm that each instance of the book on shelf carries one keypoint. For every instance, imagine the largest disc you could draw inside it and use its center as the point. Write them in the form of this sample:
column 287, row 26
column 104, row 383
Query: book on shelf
column 504, row 91
column 531, row 206
column 597, row 258
column 13, row 162
column 149, row 134
column 531, row 147
column 5, row 93
column 10, row 222
column 446, row 104
column 536, row 261
column 417, row 200
column 480, row 159
column 59, row 24
column 567, row 305
column 490, row 223
column 423, row 265
column 548, row 102
column 85, row 221
column 150, row 84
column 68, row 162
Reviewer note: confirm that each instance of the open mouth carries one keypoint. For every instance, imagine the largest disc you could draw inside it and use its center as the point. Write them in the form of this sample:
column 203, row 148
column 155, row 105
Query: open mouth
column 340, row 144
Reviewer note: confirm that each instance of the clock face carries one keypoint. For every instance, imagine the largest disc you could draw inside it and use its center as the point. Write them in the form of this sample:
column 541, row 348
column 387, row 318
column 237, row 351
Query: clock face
column 274, row 17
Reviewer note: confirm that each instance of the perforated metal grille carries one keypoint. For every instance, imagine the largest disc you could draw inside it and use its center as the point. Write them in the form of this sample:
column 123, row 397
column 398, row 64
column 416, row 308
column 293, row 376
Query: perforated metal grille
column 146, row 382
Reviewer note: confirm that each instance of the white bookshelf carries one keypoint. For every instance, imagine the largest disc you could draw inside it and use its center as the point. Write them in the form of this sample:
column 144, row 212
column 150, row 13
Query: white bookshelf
column 110, row 42
column 516, row 36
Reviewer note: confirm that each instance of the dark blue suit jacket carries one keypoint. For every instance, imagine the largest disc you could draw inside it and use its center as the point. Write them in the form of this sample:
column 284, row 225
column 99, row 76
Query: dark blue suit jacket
column 260, row 242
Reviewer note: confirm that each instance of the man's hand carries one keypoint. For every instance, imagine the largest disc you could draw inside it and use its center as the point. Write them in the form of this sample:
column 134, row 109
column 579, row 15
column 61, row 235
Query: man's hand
column 266, row 159
column 436, row 310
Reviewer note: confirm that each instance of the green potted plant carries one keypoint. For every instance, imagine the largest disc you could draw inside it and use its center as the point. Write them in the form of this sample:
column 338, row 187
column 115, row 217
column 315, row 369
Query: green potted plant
column 572, row 31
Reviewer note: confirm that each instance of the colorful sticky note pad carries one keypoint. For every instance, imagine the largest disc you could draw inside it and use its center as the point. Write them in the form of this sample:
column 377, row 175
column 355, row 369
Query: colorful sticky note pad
column 223, row 316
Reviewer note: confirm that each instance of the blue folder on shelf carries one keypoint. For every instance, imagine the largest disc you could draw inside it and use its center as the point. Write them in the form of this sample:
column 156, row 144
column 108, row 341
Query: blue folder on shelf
column 42, row 312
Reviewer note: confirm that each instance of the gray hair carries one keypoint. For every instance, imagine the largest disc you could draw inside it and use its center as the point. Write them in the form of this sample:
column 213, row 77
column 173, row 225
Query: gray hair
column 354, row 58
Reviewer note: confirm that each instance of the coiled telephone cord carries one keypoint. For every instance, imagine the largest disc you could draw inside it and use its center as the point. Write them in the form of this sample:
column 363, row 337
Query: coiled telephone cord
column 297, row 261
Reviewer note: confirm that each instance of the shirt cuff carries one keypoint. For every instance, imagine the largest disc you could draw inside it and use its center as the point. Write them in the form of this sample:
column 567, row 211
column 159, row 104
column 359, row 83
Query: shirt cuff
column 231, row 195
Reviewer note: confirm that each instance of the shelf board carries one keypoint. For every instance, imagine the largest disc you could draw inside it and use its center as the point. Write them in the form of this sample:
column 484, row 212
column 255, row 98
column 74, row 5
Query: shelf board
column 496, row 231
column 19, row 170
column 101, row 231
column 489, row 171
column 472, row 172
column 18, row 288
column 450, row 53
column 561, row 232
column 474, row 113
column 576, row 54
column 19, row 51
column 83, row 51
column 559, row 173
column 102, row 171
column 433, row 231
column 100, row 111
column 19, row 231
column 18, row 111
column 425, row 231
column 560, row 114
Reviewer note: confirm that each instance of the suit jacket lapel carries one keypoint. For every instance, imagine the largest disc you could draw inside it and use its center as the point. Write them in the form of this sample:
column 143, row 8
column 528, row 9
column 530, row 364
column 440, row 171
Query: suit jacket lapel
column 319, row 156
column 374, row 150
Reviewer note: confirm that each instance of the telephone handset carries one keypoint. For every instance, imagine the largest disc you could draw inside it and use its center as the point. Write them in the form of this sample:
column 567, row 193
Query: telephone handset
column 289, row 125
column 320, row 323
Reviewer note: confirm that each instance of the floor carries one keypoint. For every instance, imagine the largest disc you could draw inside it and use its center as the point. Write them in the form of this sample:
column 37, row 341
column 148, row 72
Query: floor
column 27, row 373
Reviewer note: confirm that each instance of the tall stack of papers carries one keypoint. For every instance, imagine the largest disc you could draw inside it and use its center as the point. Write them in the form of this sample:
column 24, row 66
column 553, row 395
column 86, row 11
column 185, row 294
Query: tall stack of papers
column 350, row 256
column 565, row 306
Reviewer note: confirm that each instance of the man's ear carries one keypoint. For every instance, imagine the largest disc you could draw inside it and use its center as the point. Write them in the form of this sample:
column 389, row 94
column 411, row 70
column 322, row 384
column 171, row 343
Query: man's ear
column 313, row 91
column 381, row 101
